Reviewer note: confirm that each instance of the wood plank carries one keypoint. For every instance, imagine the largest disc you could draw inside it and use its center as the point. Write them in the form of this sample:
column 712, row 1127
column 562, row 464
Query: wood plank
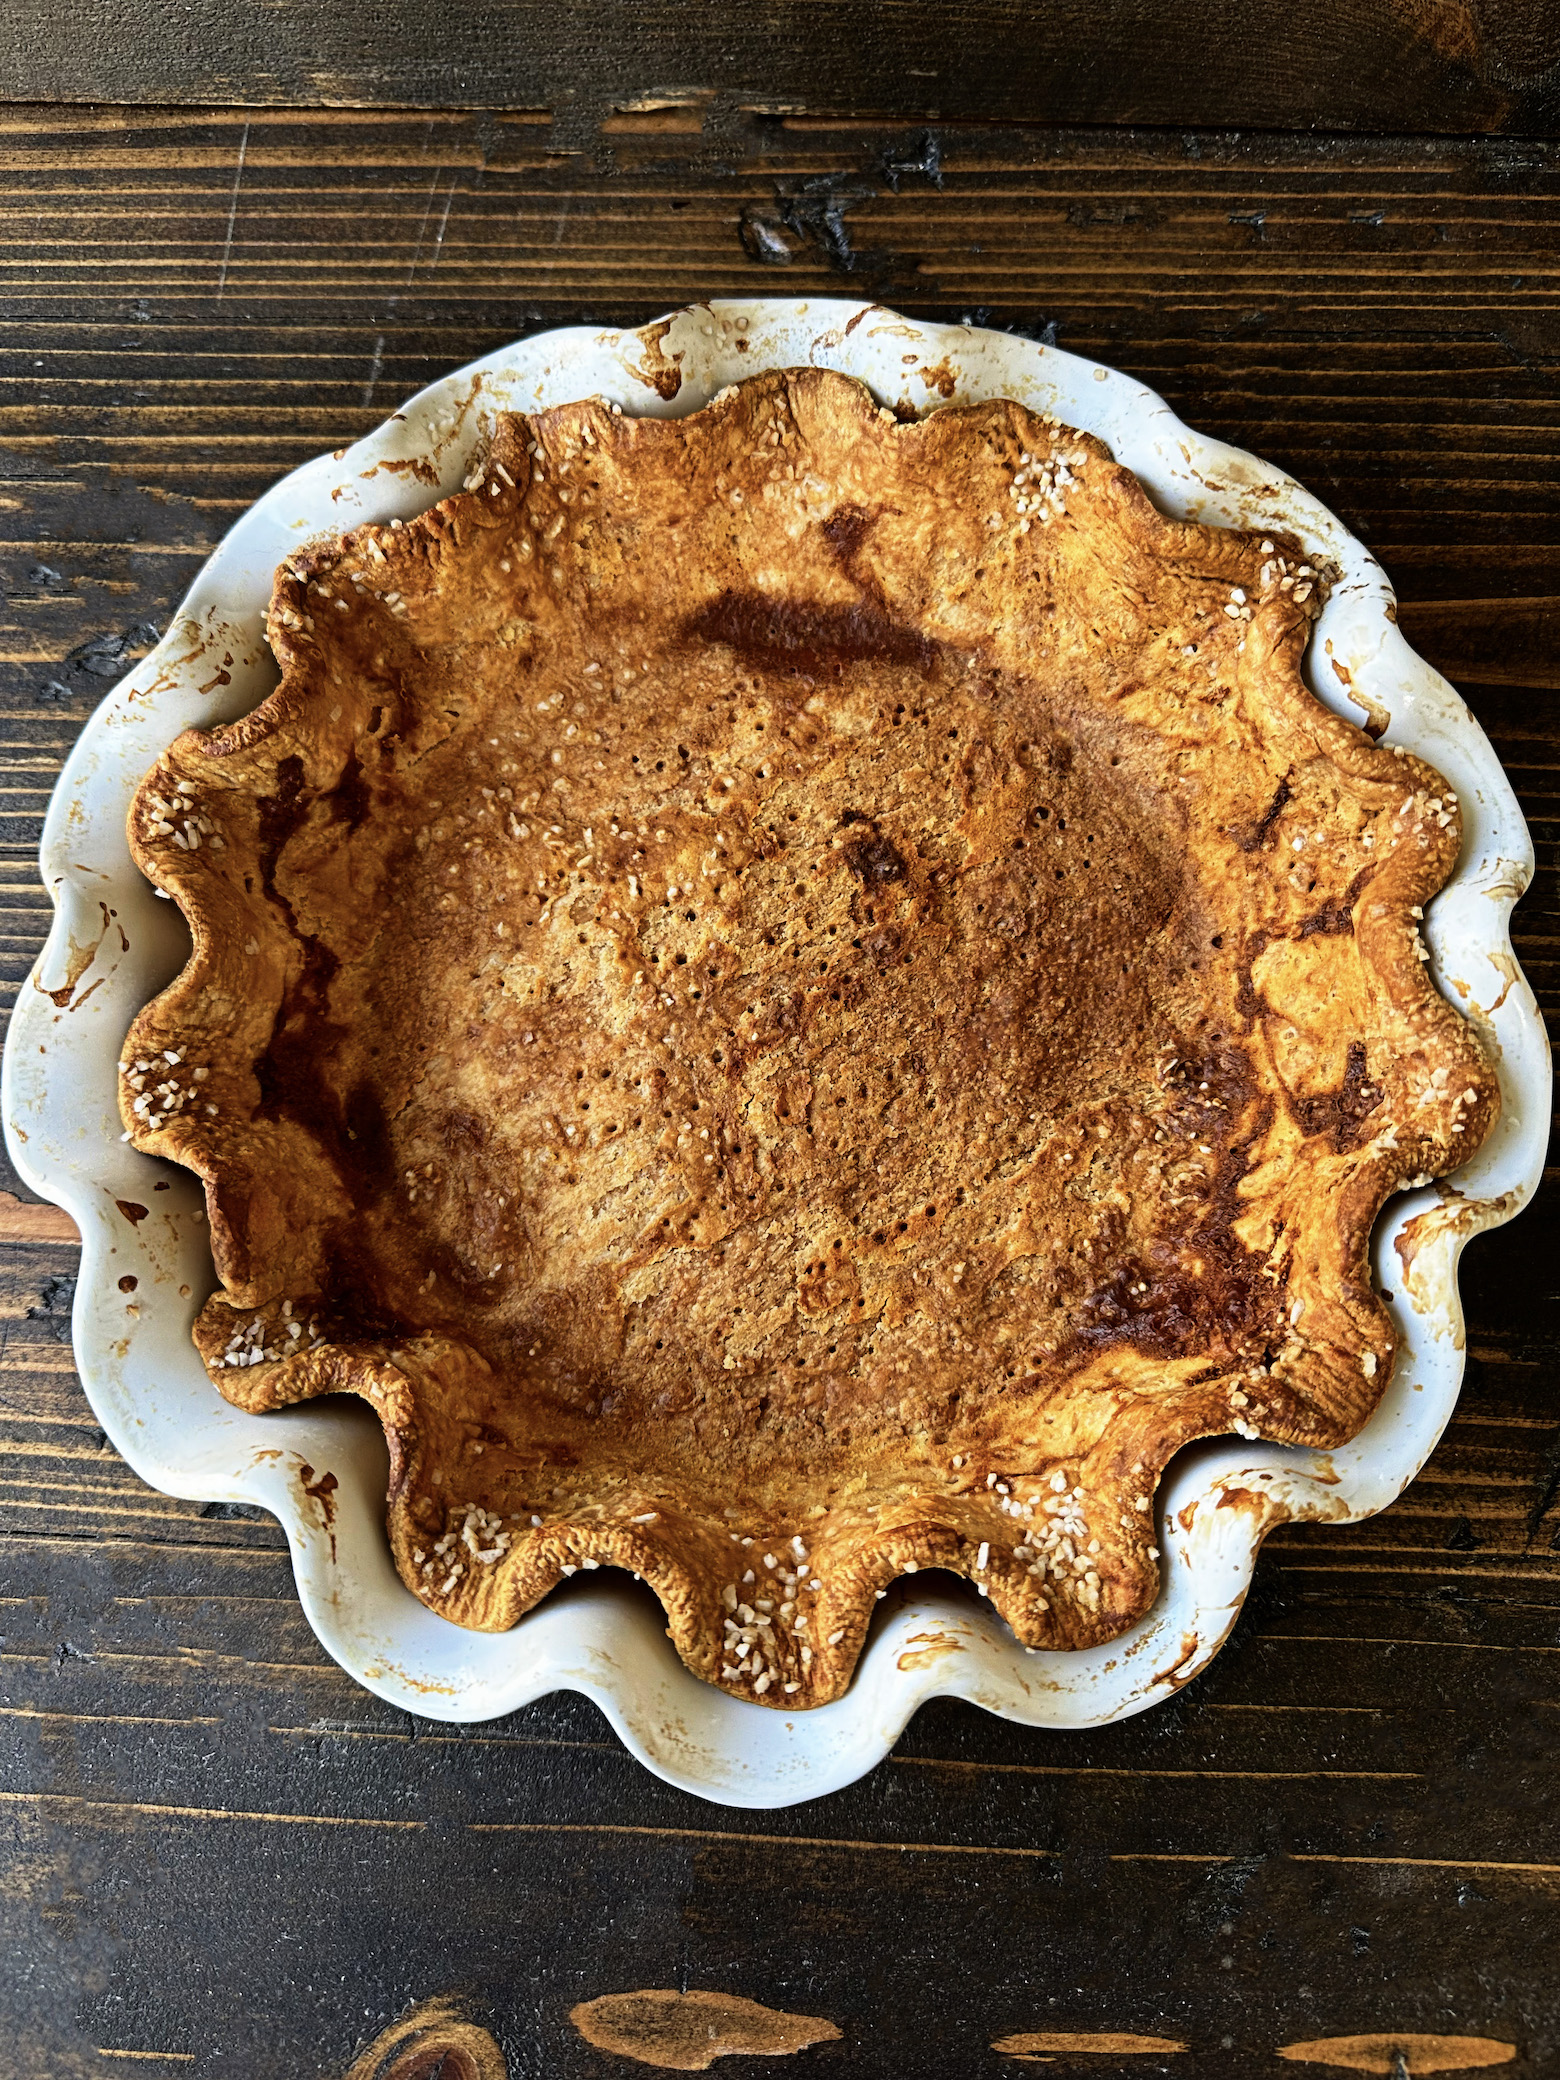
column 779, row 1907
column 24, row 1220
column 664, row 77
column 161, row 420
column 1504, row 642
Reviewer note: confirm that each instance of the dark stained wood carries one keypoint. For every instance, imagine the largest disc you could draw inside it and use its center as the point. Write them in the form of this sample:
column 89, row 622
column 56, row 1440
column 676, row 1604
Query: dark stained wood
column 216, row 1847
column 1498, row 642
column 664, row 69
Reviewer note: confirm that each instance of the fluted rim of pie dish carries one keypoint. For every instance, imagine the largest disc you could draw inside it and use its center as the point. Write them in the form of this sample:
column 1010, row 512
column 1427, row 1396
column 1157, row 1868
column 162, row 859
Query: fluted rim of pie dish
column 113, row 945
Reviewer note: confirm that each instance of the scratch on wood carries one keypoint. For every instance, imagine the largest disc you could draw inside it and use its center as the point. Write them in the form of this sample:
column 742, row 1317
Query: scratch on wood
column 422, row 228
column 227, row 243
column 438, row 236
column 376, row 363
column 404, row 1738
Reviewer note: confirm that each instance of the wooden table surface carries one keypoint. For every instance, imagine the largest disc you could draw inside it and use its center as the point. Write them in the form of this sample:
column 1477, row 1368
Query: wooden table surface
column 220, row 1857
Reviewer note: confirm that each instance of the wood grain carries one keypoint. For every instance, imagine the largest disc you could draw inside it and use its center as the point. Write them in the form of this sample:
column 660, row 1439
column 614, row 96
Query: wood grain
column 666, row 71
column 685, row 2032
column 436, row 2041
column 218, row 1849
column 1051, row 2043
column 1407, row 2053
column 23, row 1220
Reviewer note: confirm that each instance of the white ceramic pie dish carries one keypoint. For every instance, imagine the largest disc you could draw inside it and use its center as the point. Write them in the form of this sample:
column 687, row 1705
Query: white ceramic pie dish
column 113, row 945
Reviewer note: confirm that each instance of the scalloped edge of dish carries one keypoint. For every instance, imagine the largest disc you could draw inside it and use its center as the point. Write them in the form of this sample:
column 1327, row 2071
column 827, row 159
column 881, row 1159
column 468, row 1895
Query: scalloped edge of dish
column 112, row 946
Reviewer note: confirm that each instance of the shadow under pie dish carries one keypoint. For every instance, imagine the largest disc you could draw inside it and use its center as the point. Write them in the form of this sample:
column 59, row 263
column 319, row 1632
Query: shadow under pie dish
column 791, row 998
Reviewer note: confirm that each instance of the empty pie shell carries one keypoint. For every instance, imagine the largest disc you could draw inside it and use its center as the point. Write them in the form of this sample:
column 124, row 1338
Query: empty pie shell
column 793, row 997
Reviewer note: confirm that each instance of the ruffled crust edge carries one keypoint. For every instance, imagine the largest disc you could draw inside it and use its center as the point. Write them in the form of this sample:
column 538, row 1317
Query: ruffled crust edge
column 223, row 1005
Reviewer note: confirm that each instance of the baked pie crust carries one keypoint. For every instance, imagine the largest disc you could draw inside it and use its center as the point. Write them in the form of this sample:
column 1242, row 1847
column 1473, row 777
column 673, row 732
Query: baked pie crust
column 792, row 997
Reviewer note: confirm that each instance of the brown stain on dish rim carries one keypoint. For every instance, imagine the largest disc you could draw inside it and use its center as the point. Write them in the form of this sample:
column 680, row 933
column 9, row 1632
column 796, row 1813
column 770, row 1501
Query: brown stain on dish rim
column 923, row 1649
column 83, row 952
column 1427, row 1227
column 1401, row 2051
column 942, row 377
column 687, row 2032
column 1453, row 1213
column 1378, row 720
column 321, row 1489
column 1172, row 1674
column 1233, row 1496
column 1044, row 2044
column 415, row 466
column 133, row 1211
column 659, row 371
column 384, row 1667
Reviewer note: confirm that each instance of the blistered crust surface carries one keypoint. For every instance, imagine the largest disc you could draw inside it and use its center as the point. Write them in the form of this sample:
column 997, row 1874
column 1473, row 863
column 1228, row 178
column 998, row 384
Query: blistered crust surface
column 792, row 998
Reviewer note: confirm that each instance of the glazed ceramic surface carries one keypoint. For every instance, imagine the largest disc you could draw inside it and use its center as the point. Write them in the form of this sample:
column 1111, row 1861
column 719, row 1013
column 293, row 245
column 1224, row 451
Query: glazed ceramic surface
column 114, row 945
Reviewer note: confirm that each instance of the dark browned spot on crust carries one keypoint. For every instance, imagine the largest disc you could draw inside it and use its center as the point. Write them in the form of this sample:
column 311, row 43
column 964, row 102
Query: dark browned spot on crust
column 1255, row 835
column 279, row 814
column 874, row 860
column 1340, row 1113
column 1338, row 921
column 809, row 637
column 353, row 798
column 1208, row 1293
column 1333, row 923
column 846, row 528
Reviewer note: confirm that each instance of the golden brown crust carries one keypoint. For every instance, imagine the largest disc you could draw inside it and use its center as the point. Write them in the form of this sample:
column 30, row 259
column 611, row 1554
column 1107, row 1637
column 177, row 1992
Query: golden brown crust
column 792, row 997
